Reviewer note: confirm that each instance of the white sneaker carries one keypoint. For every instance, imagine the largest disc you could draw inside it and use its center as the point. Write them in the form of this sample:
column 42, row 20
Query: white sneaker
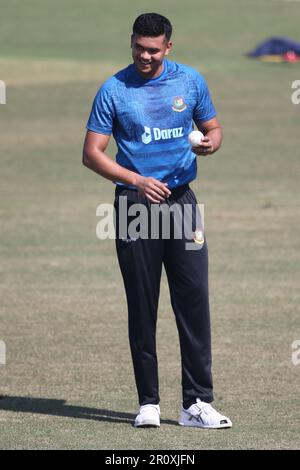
column 203, row 415
column 149, row 415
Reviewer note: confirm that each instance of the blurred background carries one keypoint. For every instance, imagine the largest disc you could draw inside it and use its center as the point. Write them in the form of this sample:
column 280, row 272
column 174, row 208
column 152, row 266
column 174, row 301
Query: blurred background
column 68, row 380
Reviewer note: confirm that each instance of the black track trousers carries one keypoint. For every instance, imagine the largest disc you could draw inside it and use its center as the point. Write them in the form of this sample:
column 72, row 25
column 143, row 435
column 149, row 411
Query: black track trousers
column 141, row 263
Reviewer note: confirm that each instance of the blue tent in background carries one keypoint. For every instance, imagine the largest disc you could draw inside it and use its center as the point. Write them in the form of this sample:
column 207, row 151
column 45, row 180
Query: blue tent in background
column 275, row 46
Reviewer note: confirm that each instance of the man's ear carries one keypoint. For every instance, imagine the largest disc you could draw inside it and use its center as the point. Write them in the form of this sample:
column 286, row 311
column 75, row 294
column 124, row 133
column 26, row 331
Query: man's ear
column 131, row 40
column 169, row 47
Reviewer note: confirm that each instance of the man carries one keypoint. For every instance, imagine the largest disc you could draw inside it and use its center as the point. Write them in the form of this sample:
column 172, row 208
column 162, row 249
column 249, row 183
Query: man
column 149, row 107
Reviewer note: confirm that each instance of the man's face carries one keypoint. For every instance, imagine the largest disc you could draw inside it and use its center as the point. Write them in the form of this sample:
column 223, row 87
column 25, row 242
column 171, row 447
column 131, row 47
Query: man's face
column 148, row 54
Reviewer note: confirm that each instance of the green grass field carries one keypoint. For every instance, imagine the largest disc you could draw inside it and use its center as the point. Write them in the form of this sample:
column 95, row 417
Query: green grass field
column 68, row 380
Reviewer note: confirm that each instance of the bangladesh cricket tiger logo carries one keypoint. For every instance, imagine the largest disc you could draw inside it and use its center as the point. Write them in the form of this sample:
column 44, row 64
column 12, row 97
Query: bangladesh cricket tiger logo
column 178, row 104
column 199, row 237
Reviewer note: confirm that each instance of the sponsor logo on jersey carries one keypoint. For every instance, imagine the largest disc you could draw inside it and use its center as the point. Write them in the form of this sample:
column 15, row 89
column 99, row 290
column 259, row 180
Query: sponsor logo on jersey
column 178, row 104
column 161, row 134
column 199, row 237
column 146, row 137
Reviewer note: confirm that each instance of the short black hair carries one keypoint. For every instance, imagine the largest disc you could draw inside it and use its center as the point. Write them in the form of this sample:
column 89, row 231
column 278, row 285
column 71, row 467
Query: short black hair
column 152, row 25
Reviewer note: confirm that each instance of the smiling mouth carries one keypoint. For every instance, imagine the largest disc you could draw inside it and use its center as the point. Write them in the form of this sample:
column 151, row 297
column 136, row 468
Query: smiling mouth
column 144, row 64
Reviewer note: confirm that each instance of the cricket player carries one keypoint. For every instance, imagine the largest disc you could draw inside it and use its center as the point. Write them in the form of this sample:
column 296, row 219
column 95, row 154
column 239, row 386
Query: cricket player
column 150, row 107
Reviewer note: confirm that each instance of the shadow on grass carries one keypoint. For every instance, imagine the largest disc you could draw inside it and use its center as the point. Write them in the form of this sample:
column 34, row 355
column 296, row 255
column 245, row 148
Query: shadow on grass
column 50, row 406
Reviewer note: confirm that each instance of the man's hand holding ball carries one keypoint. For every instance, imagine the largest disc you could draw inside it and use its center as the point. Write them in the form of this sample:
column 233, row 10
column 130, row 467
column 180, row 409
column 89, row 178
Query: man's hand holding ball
column 201, row 145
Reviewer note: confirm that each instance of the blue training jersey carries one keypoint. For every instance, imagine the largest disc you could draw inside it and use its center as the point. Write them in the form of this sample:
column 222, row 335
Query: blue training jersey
column 151, row 119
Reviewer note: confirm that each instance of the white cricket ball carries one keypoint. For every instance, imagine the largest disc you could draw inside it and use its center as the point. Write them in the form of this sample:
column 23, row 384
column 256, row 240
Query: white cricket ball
column 195, row 138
